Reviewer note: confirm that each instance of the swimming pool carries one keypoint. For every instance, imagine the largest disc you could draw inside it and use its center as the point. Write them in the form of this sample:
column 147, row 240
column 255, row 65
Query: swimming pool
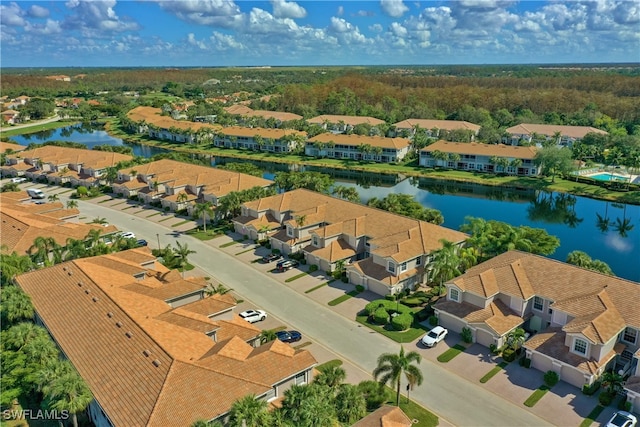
column 608, row 177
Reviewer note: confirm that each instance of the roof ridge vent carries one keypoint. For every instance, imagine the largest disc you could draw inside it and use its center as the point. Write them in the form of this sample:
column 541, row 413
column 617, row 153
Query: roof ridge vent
column 156, row 363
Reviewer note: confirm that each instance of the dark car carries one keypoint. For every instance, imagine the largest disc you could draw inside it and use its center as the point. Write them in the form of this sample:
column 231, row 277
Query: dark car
column 270, row 258
column 142, row 242
column 287, row 264
column 289, row 336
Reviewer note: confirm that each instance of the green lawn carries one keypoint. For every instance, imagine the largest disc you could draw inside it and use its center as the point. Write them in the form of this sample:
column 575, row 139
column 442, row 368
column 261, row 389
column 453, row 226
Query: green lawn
column 7, row 131
column 231, row 243
column 494, row 371
column 166, row 219
column 245, row 251
column 154, row 214
column 181, row 223
column 413, row 410
column 331, row 363
column 315, row 288
column 344, row 297
column 416, row 330
column 536, row 396
column 592, row 416
column 451, row 353
column 200, row 234
column 296, row 277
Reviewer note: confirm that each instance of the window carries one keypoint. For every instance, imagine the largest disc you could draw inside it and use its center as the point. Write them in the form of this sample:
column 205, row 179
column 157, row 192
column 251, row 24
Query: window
column 403, row 266
column 580, row 346
column 538, row 303
column 392, row 267
column 289, row 231
column 630, row 335
column 315, row 241
column 454, row 294
column 300, row 378
column 418, row 261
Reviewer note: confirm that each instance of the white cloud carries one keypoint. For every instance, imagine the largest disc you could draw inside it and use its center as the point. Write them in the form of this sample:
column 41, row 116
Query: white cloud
column 340, row 11
column 393, row 8
column 94, row 17
column 12, row 15
column 36, row 11
column 225, row 42
column 284, row 9
column 216, row 13
column 345, row 31
column 375, row 28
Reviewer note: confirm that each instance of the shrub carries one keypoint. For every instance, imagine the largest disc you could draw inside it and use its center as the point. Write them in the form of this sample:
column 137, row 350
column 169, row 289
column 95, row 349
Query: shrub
column 373, row 306
column 467, row 335
column 380, row 316
column 509, row 354
column 345, row 279
column 390, row 297
column 590, row 390
column 166, row 208
column 82, row 191
column 624, row 405
column 433, row 320
column 413, row 301
column 424, row 313
column 525, row 362
column 551, row 378
column 493, row 349
column 374, row 393
column 359, row 288
column 313, row 268
column 268, row 246
column 402, row 322
column 605, row 398
column 276, row 251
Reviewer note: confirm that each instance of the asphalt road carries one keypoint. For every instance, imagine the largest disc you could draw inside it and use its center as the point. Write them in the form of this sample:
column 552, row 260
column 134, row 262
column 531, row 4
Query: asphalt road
column 459, row 401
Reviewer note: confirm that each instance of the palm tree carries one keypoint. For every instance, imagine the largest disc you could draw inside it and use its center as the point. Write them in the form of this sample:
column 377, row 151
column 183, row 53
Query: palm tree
column 445, row 263
column 300, row 220
column 183, row 252
column 623, row 226
column 72, row 204
column 69, row 393
column 347, row 193
column 39, row 251
column 267, row 335
column 213, row 290
column 17, row 336
column 249, row 412
column 309, row 405
column 516, row 338
column 204, row 210
column 350, row 404
column 612, row 382
column 579, row 258
column 391, row 367
column 331, row 377
column 182, row 197
column 110, row 174
column 53, row 198
column 98, row 220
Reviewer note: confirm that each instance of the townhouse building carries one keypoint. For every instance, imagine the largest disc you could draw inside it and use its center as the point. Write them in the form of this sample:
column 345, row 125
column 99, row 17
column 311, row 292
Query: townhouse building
column 177, row 185
column 436, row 128
column 579, row 322
column 152, row 348
column 340, row 124
column 60, row 165
column 246, row 114
column 384, row 252
column 7, row 147
column 472, row 156
column 260, row 139
column 564, row 136
column 358, row 147
column 150, row 120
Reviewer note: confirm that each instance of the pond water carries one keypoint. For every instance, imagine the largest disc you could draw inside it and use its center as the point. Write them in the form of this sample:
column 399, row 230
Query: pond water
column 606, row 231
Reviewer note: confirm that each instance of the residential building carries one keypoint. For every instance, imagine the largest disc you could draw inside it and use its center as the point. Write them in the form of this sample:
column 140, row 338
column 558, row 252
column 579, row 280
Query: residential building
column 472, row 156
column 384, row 252
column 535, row 133
column 341, row 124
column 23, row 222
column 385, row 416
column 179, row 185
column 260, row 139
column 9, row 147
column 247, row 114
column 436, row 128
column 151, row 348
column 582, row 322
column 62, row 164
column 151, row 121
column 358, row 147
column 10, row 116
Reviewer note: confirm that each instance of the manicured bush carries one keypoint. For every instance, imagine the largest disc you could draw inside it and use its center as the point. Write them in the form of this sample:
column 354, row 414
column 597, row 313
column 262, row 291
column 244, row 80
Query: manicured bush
column 380, row 316
column 166, row 208
column 82, row 191
column 345, row 279
column 424, row 313
column 467, row 335
column 372, row 307
column 623, row 405
column 433, row 320
column 276, row 251
column 493, row 349
column 525, row 362
column 313, row 268
column 551, row 378
column 390, row 297
column 413, row 302
column 509, row 354
column 590, row 390
column 359, row 288
column 374, row 393
column 402, row 322
column 605, row 398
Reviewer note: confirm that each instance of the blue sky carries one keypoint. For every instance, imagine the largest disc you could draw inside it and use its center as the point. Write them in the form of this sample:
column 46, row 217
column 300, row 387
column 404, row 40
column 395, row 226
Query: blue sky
column 341, row 32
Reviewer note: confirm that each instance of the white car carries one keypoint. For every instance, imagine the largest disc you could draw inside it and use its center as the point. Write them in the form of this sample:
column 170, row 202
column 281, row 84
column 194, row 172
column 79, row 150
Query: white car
column 128, row 235
column 622, row 419
column 18, row 180
column 253, row 316
column 434, row 336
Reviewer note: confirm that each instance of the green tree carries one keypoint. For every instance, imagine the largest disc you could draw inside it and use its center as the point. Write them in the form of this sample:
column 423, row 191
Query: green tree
column 350, row 404
column 69, row 393
column 204, row 210
column 309, row 405
column 15, row 305
column 554, row 160
column 314, row 181
column 331, row 377
column 582, row 259
column 391, row 367
column 347, row 193
column 13, row 264
column 612, row 382
column 516, row 338
column 267, row 335
column 182, row 251
column 445, row 263
column 72, row 204
column 249, row 412
column 405, row 204
column 221, row 289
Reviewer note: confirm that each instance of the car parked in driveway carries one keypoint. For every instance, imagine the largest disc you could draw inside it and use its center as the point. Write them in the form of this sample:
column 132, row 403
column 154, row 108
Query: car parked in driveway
column 18, row 179
column 270, row 258
column 287, row 264
column 253, row 316
column 128, row 235
column 142, row 242
column 622, row 419
column 434, row 336
column 289, row 336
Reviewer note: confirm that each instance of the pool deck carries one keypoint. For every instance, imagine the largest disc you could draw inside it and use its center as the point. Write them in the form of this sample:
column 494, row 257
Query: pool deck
column 634, row 179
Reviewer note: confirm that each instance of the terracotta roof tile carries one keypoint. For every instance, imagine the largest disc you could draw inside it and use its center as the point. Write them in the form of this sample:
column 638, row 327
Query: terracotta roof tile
column 356, row 140
column 348, row 120
column 550, row 130
column 429, row 124
column 481, row 149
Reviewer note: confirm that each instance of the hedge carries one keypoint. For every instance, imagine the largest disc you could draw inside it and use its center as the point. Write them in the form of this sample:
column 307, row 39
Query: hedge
column 380, row 316
column 388, row 306
column 402, row 322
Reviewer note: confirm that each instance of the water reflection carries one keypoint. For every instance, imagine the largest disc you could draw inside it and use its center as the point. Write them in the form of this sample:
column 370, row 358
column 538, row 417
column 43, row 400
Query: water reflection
column 554, row 208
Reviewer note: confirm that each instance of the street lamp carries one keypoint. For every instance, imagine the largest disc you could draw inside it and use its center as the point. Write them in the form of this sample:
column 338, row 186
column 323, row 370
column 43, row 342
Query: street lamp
column 158, row 237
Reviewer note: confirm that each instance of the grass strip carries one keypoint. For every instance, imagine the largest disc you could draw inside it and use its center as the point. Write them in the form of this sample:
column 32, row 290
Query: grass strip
column 593, row 415
column 424, row 417
column 247, row 250
column 231, row 243
column 181, row 223
column 416, row 330
column 536, row 396
column 494, row 371
column 128, row 207
column 105, row 200
column 343, row 298
column 153, row 214
column 65, row 192
column 328, row 365
column 201, row 235
column 296, row 277
column 451, row 353
column 166, row 219
column 117, row 204
column 315, row 288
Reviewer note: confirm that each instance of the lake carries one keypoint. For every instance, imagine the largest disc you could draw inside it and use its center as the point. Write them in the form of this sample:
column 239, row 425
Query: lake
column 606, row 231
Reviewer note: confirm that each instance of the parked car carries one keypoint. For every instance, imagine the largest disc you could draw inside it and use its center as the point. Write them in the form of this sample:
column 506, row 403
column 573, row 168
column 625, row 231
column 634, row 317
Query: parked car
column 622, row 419
column 253, row 316
column 34, row 193
column 142, row 242
column 270, row 258
column 289, row 336
column 434, row 336
column 128, row 235
column 18, row 179
column 287, row 265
